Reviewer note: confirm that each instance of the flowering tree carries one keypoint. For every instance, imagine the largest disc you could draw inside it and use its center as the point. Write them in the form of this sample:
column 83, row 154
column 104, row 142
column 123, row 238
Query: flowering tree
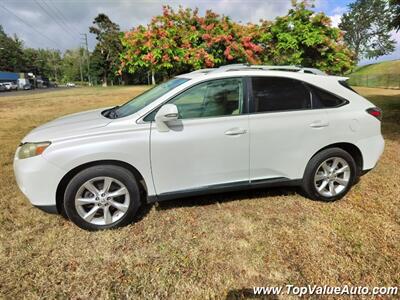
column 183, row 40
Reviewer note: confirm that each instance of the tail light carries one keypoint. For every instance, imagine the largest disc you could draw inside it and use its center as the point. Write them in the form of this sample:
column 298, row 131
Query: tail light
column 376, row 112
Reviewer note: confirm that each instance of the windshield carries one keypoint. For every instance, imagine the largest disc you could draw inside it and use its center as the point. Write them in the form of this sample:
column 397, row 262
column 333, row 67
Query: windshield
column 148, row 97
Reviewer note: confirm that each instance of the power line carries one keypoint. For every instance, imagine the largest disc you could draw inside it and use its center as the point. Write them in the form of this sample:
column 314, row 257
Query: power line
column 58, row 18
column 29, row 25
column 61, row 15
column 54, row 19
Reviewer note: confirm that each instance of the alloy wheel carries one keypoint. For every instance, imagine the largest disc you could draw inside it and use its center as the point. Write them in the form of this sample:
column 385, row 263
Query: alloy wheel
column 332, row 177
column 102, row 200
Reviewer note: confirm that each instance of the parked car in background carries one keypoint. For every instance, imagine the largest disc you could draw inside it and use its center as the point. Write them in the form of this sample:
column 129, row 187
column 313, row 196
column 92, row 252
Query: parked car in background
column 70, row 84
column 226, row 129
column 22, row 82
column 8, row 86
column 27, row 86
column 2, row 88
column 14, row 86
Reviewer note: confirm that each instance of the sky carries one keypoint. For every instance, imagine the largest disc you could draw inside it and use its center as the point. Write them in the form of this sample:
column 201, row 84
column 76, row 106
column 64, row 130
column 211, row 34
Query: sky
column 60, row 23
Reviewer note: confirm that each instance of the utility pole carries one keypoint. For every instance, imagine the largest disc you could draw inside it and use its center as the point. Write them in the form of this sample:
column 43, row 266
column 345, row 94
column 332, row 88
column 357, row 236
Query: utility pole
column 85, row 41
column 55, row 65
column 80, row 64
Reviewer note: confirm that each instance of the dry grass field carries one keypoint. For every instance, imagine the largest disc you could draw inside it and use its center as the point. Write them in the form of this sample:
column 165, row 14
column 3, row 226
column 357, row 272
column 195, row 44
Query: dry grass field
column 203, row 247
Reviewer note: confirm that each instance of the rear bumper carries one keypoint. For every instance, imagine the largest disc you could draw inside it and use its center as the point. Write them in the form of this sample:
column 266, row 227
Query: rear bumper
column 371, row 149
column 38, row 180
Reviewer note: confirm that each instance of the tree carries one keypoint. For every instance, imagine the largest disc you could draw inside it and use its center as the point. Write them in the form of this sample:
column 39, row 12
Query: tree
column 182, row 40
column 11, row 52
column 45, row 62
column 367, row 28
column 306, row 38
column 71, row 65
column 108, row 48
column 395, row 7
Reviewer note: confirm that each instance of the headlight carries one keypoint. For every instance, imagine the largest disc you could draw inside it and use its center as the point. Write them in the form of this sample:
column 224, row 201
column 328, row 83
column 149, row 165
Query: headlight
column 32, row 149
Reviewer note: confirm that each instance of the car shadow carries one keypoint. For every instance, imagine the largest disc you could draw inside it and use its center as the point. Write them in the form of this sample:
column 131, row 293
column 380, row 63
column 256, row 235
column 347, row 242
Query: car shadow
column 224, row 197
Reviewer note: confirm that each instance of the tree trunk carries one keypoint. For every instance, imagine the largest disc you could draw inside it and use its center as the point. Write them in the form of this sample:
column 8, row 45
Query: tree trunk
column 153, row 80
column 104, row 80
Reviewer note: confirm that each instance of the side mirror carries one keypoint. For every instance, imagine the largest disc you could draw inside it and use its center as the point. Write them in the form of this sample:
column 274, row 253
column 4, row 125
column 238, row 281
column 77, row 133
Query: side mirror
column 167, row 113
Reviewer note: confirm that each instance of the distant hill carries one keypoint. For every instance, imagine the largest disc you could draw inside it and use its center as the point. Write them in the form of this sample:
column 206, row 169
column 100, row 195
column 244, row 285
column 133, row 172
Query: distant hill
column 386, row 67
column 384, row 74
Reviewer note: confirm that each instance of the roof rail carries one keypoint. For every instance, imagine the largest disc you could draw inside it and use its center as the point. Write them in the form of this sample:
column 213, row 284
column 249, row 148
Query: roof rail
column 205, row 71
column 289, row 68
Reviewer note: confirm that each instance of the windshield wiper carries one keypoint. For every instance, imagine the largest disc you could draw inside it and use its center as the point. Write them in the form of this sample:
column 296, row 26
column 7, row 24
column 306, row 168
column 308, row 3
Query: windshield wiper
column 111, row 113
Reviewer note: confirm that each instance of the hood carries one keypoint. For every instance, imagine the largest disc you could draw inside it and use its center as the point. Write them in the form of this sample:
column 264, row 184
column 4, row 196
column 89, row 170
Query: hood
column 68, row 126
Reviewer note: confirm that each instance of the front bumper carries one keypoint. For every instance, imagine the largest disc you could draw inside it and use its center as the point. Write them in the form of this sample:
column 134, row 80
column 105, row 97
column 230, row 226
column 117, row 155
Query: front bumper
column 38, row 179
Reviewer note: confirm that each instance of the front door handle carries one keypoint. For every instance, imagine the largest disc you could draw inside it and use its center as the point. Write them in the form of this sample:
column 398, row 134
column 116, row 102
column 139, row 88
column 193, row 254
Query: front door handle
column 319, row 124
column 235, row 131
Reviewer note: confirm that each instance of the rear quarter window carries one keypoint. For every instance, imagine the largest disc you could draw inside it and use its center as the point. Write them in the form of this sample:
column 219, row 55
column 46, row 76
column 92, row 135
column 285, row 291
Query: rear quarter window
column 324, row 99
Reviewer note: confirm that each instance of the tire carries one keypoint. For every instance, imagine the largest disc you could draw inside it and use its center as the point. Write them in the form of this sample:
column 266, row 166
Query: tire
column 102, row 197
column 320, row 182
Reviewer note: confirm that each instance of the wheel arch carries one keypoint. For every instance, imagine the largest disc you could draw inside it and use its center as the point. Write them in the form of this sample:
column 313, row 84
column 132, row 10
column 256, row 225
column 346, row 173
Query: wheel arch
column 68, row 176
column 350, row 148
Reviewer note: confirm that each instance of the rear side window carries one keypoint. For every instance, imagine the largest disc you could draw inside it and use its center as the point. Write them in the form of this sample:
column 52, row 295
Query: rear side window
column 279, row 94
column 323, row 99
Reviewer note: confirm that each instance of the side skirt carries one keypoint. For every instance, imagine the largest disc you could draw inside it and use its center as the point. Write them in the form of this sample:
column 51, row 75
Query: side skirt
column 228, row 187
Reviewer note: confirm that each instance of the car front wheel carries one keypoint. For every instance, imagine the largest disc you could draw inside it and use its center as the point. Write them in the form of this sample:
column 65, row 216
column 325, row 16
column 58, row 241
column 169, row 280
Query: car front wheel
column 329, row 175
column 102, row 197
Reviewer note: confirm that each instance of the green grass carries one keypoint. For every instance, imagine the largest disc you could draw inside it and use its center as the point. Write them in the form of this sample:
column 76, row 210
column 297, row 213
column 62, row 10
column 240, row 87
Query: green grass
column 386, row 67
column 385, row 74
column 197, row 248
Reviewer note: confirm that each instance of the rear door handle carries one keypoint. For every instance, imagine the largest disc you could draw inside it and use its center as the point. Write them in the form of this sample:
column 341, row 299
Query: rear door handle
column 319, row 124
column 235, row 131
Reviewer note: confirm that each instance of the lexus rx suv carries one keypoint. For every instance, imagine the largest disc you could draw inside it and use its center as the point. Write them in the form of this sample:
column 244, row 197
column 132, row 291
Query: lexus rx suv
column 213, row 130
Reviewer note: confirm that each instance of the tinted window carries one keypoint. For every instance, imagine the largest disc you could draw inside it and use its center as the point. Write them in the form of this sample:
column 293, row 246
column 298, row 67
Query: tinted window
column 323, row 99
column 209, row 99
column 277, row 94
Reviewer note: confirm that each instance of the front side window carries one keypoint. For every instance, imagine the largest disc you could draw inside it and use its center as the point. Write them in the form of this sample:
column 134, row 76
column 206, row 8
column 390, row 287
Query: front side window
column 279, row 94
column 220, row 97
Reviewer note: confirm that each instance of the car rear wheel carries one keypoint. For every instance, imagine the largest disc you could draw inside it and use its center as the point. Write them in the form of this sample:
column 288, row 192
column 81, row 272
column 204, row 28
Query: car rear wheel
column 102, row 197
column 329, row 175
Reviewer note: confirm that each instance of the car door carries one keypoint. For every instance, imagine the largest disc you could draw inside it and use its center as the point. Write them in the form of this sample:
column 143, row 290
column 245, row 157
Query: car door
column 208, row 146
column 284, row 129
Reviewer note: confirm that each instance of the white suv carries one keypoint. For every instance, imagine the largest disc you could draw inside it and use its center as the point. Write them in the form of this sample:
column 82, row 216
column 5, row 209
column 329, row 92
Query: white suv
column 214, row 130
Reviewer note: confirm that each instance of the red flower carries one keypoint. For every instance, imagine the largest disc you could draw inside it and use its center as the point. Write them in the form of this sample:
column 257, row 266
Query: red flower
column 249, row 53
column 210, row 27
column 165, row 58
column 206, row 36
column 227, row 51
column 209, row 63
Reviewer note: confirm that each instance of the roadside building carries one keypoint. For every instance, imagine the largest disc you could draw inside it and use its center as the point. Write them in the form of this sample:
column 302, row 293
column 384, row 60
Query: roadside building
column 22, row 80
column 9, row 77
